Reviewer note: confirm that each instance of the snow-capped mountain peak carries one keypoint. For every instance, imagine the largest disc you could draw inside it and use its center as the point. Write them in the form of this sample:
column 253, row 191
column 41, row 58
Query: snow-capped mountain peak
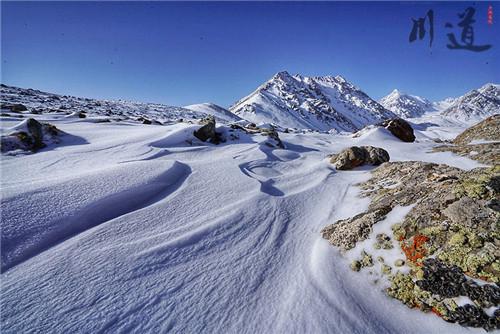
column 406, row 105
column 319, row 103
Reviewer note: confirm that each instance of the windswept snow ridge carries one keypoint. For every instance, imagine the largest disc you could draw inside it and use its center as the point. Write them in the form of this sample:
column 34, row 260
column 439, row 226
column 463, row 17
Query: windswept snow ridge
column 214, row 110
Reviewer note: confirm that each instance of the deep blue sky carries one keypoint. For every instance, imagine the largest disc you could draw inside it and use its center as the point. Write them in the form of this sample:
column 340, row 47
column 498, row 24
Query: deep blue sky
column 183, row 53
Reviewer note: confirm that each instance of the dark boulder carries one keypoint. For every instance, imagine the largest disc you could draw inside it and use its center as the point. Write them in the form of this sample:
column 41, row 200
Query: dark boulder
column 356, row 156
column 15, row 107
column 207, row 131
column 400, row 129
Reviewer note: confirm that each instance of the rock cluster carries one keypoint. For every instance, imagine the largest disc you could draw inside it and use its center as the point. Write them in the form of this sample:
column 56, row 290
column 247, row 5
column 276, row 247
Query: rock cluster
column 359, row 155
column 274, row 139
column 400, row 129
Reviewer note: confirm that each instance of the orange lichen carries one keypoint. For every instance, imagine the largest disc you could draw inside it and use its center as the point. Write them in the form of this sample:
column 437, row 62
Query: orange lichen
column 435, row 311
column 415, row 250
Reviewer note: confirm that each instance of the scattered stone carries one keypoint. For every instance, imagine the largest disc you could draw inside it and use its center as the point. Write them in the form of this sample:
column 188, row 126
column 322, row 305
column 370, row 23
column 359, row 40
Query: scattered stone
column 356, row 265
column 400, row 129
column 366, row 259
column 386, row 270
column 357, row 156
column 399, row 263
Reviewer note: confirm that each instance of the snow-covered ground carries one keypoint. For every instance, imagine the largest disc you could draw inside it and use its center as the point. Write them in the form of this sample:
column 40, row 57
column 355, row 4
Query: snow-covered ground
column 128, row 228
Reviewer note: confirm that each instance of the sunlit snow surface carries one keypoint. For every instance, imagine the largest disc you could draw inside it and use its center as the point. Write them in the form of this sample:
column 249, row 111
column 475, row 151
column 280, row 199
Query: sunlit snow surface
column 128, row 228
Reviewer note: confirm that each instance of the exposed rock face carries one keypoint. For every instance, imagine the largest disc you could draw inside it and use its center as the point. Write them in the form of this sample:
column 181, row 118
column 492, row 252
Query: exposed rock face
column 452, row 230
column 29, row 136
column 480, row 142
column 357, row 156
column 207, row 131
column 400, row 129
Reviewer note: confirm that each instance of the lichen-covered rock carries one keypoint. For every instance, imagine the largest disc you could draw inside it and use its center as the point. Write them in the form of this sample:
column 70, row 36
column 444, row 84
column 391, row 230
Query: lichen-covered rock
column 451, row 233
column 346, row 233
column 357, row 156
column 400, row 129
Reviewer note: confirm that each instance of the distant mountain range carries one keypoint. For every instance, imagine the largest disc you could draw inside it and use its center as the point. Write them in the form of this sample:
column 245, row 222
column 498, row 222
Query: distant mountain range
column 471, row 107
column 476, row 104
column 318, row 103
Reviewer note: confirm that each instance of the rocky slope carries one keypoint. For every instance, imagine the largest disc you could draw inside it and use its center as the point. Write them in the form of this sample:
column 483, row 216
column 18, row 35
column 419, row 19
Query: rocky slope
column 318, row 103
column 480, row 142
column 36, row 101
column 476, row 104
column 406, row 105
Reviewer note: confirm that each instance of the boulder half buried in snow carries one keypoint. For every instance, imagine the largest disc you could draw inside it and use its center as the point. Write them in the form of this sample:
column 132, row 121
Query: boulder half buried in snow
column 400, row 129
column 30, row 135
column 207, row 131
column 356, row 156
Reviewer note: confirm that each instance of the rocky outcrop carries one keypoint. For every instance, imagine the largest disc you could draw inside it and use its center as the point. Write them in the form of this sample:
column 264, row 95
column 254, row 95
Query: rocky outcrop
column 480, row 142
column 357, row 156
column 450, row 235
column 274, row 139
column 30, row 135
column 400, row 129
